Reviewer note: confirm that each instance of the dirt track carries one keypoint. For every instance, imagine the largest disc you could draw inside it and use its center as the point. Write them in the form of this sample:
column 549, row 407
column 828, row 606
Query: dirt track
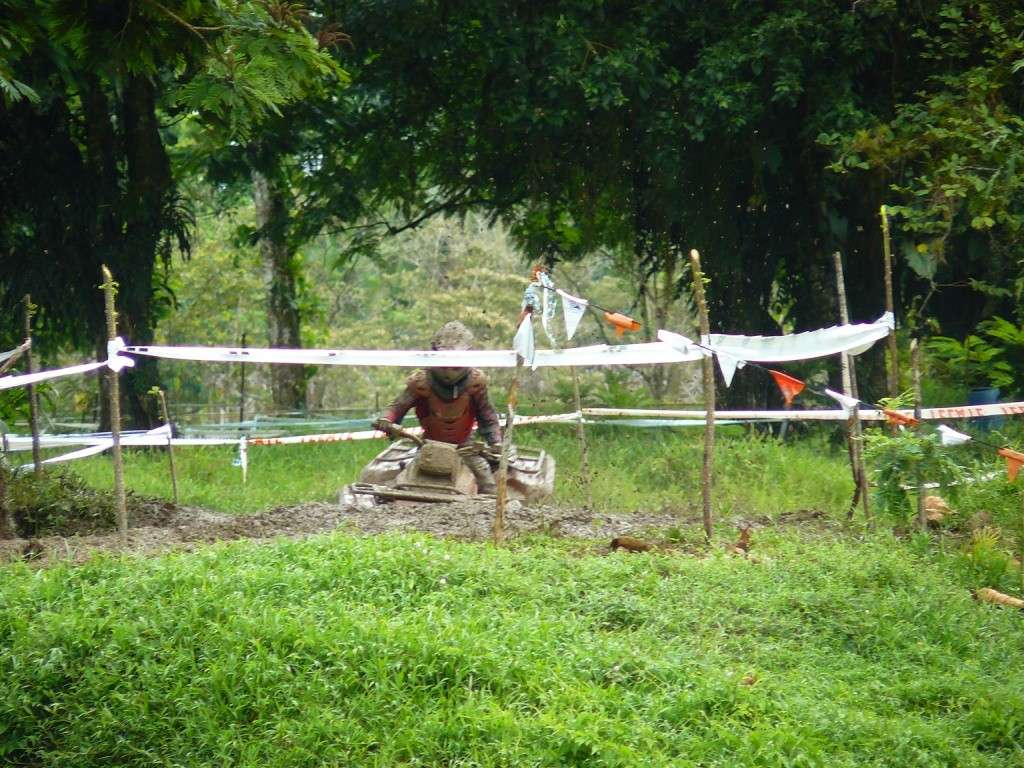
column 165, row 527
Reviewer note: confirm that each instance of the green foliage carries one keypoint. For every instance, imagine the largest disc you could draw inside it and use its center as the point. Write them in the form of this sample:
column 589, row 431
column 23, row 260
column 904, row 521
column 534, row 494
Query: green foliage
column 387, row 650
column 973, row 362
column 899, row 460
column 985, row 561
column 56, row 502
column 951, row 146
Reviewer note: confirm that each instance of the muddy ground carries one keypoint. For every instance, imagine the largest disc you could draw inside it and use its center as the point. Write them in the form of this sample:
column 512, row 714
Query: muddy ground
column 161, row 527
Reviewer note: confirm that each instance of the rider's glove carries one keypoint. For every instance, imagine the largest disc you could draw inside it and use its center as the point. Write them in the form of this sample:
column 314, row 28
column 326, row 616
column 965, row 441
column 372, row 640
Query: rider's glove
column 385, row 426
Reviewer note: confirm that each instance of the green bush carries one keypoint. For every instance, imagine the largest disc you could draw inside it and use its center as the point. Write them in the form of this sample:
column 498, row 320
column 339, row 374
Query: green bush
column 57, row 502
column 898, row 460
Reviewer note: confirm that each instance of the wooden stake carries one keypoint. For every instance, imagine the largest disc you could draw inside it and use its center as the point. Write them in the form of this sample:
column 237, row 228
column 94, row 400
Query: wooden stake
column 915, row 372
column 854, row 433
column 109, row 291
column 581, row 436
column 33, row 397
column 894, row 360
column 10, row 528
column 506, row 446
column 709, row 396
column 159, row 393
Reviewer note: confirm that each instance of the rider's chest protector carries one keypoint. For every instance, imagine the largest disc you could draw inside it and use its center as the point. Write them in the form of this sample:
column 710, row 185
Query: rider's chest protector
column 450, row 421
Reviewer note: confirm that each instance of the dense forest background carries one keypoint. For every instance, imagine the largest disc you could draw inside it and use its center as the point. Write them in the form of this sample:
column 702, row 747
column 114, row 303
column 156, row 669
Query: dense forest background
column 355, row 173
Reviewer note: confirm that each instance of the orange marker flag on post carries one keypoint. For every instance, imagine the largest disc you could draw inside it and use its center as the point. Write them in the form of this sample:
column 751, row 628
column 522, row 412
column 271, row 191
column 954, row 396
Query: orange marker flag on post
column 621, row 322
column 899, row 419
column 789, row 386
column 1014, row 460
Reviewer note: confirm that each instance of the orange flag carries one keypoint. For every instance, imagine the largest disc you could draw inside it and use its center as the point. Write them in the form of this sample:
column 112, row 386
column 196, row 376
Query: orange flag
column 621, row 322
column 899, row 419
column 1014, row 460
column 789, row 386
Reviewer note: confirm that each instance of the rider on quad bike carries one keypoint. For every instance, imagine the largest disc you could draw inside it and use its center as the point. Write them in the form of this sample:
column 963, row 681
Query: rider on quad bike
column 448, row 401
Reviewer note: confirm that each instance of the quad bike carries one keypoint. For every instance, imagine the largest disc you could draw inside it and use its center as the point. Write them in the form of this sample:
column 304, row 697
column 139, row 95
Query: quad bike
column 416, row 470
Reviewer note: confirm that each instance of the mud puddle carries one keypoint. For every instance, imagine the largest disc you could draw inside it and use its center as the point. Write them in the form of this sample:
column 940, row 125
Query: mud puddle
column 184, row 528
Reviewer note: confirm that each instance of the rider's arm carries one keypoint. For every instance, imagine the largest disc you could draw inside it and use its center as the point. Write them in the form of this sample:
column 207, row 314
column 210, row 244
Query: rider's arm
column 396, row 411
column 487, row 422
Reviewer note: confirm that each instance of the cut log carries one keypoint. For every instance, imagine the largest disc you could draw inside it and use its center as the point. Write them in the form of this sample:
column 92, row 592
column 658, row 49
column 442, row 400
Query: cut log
column 987, row 595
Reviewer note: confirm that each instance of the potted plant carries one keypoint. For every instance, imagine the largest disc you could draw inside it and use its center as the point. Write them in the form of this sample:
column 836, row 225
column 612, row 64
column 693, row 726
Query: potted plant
column 973, row 364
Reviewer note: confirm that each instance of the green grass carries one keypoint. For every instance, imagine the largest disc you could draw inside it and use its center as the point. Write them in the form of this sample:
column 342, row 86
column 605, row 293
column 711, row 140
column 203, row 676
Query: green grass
column 633, row 470
column 403, row 650
column 278, row 475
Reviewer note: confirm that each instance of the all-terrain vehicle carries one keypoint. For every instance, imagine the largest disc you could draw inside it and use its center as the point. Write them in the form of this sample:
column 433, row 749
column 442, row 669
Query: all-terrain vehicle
column 415, row 470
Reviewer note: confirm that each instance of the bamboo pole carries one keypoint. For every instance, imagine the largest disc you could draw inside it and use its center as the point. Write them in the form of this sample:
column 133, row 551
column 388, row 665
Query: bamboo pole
column 893, row 370
column 854, row 432
column 109, row 291
column 33, row 395
column 707, row 469
column 501, row 499
column 159, row 394
column 915, row 371
column 581, row 436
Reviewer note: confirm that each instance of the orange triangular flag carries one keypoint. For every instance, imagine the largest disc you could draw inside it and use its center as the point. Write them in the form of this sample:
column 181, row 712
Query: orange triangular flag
column 621, row 322
column 899, row 419
column 789, row 386
column 1014, row 460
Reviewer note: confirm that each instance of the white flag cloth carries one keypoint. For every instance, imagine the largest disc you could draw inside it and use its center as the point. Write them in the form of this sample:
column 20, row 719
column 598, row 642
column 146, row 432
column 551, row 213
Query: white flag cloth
column 951, row 436
column 683, row 345
column 851, row 404
column 5, row 356
column 115, row 361
column 573, row 309
column 523, row 342
column 728, row 364
column 852, row 339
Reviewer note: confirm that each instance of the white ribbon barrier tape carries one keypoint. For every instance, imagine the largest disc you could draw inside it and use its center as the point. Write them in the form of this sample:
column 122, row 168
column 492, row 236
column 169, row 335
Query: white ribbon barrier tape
column 7, row 382
column 114, row 362
column 158, row 436
column 373, row 434
column 330, row 437
column 17, row 443
column 929, row 414
column 598, row 354
column 808, row 345
column 672, row 348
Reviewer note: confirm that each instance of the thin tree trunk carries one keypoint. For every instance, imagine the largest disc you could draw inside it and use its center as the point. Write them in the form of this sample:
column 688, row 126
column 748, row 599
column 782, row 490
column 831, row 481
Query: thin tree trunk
column 707, row 470
column 854, row 431
column 288, row 382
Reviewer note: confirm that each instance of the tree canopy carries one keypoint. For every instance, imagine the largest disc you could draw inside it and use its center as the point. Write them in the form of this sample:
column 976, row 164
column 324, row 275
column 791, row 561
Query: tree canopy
column 767, row 135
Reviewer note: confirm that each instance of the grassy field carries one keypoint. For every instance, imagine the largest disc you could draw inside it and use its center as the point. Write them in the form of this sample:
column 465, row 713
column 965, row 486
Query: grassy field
column 633, row 470
column 829, row 647
column 411, row 651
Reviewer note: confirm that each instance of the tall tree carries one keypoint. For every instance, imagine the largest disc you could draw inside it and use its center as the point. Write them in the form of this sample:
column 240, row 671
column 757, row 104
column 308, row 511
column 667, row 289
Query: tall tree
column 87, row 178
